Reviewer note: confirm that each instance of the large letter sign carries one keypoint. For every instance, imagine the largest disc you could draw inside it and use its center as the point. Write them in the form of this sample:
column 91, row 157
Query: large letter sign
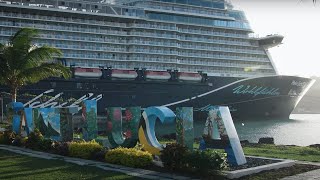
column 66, row 126
column 220, row 127
column 17, row 108
column 123, row 131
column 89, row 115
column 184, row 127
column 147, row 136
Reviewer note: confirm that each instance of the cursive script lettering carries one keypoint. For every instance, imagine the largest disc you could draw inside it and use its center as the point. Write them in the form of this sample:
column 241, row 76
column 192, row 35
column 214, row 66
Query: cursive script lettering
column 256, row 90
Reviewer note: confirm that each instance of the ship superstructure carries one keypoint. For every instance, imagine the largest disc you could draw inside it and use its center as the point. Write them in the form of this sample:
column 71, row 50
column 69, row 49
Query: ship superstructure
column 197, row 53
column 183, row 35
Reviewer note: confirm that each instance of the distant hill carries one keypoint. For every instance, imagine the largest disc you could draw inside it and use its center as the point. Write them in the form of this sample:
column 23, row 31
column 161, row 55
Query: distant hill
column 310, row 103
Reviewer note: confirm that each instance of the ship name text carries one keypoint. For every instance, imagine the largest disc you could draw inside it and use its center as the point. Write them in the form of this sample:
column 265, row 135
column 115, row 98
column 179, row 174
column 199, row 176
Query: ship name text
column 256, row 90
column 299, row 83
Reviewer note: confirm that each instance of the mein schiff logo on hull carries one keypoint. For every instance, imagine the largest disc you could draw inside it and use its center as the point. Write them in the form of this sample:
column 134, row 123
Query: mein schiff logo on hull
column 256, row 90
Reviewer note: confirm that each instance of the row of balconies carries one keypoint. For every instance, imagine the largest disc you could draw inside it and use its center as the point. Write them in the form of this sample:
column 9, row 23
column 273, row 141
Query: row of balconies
column 116, row 32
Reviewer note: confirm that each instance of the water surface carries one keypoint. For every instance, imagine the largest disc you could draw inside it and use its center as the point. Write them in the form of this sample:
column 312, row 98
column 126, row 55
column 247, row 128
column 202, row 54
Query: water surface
column 300, row 129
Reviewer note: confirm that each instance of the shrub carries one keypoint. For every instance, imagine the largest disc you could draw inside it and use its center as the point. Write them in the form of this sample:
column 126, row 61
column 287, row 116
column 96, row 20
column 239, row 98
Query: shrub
column 17, row 141
column 205, row 161
column 45, row 145
column 34, row 140
column 23, row 141
column 129, row 157
column 83, row 149
column 173, row 156
column 7, row 137
column 100, row 156
column 61, row 148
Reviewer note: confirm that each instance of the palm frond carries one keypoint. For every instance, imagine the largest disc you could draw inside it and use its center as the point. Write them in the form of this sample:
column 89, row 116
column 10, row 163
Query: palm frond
column 45, row 70
column 21, row 62
column 41, row 54
column 24, row 36
column 18, row 47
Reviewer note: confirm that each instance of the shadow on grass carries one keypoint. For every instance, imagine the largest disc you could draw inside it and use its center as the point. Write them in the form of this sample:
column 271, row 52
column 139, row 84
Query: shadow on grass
column 14, row 166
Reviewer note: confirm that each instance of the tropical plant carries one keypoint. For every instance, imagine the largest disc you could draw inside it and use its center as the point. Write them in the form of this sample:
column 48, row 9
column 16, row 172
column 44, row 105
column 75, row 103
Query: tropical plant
column 22, row 62
column 173, row 156
column 131, row 157
column 83, row 149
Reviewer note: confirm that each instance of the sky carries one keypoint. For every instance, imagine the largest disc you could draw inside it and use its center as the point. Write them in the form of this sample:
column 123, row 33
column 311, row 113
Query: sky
column 298, row 21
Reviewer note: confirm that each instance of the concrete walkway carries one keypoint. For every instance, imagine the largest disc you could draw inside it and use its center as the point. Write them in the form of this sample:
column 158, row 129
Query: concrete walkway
column 141, row 173
column 310, row 175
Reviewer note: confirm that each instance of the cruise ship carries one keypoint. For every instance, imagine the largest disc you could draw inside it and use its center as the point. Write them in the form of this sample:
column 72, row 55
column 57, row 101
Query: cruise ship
column 198, row 53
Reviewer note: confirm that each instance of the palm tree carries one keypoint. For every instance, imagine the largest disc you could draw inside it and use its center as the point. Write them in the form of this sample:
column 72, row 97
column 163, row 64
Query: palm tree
column 22, row 62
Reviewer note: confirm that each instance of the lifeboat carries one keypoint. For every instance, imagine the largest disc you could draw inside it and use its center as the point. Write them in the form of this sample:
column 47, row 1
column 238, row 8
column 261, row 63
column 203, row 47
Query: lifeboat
column 157, row 75
column 189, row 76
column 124, row 74
column 87, row 72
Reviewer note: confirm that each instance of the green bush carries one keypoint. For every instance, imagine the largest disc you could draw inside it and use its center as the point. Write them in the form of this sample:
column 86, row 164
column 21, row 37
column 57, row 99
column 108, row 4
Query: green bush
column 17, row 141
column 7, row 137
column 34, row 140
column 177, row 157
column 24, row 141
column 205, row 161
column 61, row 148
column 100, row 156
column 83, row 149
column 173, row 156
column 129, row 157
column 46, row 145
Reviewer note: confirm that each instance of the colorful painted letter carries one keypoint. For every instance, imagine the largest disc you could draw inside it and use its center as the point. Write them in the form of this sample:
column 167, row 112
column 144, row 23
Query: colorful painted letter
column 17, row 108
column 66, row 127
column 220, row 127
column 123, row 131
column 184, row 126
column 147, row 136
column 89, row 114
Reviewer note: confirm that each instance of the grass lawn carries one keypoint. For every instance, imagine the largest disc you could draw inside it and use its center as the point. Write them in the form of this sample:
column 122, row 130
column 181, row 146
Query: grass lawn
column 15, row 166
column 284, row 152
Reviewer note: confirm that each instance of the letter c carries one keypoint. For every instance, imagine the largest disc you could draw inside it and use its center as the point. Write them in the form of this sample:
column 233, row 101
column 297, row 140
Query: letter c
column 147, row 136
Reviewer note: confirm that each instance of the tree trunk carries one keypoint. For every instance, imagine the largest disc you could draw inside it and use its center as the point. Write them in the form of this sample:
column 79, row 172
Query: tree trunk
column 14, row 94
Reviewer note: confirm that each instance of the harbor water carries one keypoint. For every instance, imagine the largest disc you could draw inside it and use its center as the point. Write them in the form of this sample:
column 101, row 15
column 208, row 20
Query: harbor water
column 300, row 129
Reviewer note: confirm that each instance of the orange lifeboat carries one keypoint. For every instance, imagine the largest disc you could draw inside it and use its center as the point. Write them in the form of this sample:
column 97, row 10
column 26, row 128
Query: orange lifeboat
column 183, row 76
column 158, row 75
column 87, row 72
column 124, row 74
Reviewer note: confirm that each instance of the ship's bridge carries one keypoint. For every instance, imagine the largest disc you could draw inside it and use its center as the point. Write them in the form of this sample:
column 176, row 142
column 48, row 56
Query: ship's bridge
column 269, row 41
